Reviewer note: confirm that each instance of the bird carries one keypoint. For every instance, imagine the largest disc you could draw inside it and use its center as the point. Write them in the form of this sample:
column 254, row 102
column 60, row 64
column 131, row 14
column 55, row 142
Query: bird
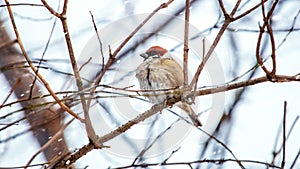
column 160, row 72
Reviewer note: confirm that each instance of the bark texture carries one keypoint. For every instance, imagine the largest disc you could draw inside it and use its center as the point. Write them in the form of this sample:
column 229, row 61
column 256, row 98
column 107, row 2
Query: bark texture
column 44, row 121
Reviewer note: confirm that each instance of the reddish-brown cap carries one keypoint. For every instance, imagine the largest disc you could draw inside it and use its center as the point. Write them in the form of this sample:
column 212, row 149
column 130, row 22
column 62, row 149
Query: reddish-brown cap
column 156, row 50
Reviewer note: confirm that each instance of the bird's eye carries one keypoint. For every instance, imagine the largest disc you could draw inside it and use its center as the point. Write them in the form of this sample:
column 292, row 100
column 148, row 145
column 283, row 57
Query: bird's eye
column 144, row 55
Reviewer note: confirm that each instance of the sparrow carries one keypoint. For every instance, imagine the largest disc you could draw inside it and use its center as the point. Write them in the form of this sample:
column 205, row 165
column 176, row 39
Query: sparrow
column 160, row 72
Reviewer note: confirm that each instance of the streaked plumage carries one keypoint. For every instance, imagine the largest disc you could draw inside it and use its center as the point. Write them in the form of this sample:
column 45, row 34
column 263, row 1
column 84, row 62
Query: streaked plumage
column 160, row 71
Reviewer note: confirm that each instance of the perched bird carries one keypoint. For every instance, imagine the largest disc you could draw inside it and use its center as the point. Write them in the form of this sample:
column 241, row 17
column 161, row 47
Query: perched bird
column 160, row 71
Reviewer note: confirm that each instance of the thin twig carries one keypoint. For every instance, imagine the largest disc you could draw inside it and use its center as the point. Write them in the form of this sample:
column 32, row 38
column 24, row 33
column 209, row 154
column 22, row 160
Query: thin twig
column 236, row 6
column 221, row 4
column 250, row 10
column 284, row 135
column 99, row 40
column 262, row 30
column 172, row 153
column 295, row 160
column 197, row 77
column 84, row 64
column 186, row 42
column 270, row 31
column 42, row 57
column 21, row 4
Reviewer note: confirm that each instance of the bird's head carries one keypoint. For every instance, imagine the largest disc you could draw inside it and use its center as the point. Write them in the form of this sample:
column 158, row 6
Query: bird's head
column 155, row 52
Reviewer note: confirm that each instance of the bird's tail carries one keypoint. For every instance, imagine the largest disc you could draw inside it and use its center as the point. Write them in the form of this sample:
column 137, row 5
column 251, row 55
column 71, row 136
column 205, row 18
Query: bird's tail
column 193, row 116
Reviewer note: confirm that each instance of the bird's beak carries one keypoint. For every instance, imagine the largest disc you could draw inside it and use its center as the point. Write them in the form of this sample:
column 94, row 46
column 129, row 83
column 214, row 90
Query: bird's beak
column 144, row 55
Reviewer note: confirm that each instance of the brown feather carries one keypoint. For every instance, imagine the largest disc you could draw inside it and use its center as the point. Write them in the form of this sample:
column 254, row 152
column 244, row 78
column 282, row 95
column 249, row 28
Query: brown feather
column 159, row 71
